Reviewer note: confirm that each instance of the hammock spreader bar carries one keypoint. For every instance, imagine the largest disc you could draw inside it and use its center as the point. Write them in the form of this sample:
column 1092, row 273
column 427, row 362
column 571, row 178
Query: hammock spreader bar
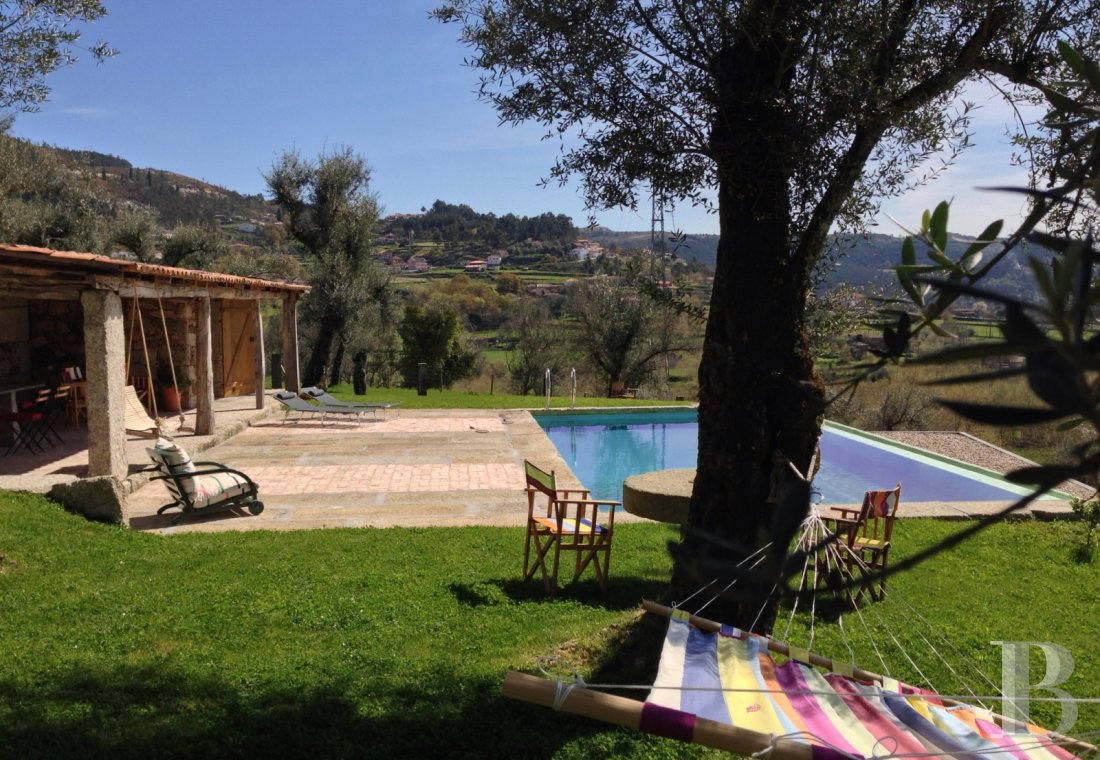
column 652, row 719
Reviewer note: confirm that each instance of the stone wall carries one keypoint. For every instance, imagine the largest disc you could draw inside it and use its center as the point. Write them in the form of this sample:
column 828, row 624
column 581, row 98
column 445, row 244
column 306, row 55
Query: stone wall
column 15, row 359
column 55, row 337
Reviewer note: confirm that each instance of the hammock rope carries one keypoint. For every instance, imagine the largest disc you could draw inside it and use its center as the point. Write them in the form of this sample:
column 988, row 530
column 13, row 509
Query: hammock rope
column 905, row 609
column 168, row 350
column 760, row 553
column 145, row 352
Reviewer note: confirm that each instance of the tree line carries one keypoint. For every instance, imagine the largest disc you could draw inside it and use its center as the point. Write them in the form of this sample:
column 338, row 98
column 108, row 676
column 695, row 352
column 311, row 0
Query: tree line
column 459, row 224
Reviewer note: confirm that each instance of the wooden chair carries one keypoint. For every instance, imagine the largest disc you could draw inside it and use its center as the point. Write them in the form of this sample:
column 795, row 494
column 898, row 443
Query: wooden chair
column 560, row 520
column 78, row 402
column 77, row 407
column 870, row 535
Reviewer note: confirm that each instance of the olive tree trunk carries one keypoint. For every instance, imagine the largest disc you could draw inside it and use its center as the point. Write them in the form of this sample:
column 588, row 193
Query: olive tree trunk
column 760, row 398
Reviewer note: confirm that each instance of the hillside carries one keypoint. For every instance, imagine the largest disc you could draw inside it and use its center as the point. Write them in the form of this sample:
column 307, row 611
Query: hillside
column 457, row 230
column 862, row 262
column 177, row 199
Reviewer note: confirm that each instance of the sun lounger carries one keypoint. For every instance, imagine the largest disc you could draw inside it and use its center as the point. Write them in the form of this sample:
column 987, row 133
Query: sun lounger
column 327, row 399
column 292, row 403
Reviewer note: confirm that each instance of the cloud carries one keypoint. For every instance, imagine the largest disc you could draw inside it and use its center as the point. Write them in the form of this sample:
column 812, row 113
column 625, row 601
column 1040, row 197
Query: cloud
column 87, row 112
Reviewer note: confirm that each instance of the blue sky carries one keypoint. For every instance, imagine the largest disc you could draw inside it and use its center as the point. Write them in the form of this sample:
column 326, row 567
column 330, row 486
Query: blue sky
column 218, row 89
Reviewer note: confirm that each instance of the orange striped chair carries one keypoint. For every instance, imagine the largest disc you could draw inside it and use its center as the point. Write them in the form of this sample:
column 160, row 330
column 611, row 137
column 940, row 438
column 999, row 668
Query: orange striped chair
column 561, row 520
column 870, row 538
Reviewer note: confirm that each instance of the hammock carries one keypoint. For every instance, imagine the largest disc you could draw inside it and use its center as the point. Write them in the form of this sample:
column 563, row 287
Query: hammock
column 721, row 687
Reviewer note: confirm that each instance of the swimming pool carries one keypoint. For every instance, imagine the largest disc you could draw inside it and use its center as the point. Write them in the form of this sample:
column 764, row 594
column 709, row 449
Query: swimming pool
column 605, row 449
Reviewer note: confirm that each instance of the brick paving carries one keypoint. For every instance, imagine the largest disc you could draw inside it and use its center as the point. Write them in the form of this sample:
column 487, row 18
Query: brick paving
column 384, row 478
column 480, row 424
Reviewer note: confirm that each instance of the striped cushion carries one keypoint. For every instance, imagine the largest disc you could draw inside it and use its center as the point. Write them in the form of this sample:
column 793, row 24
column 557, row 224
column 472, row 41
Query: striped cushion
column 174, row 460
column 569, row 525
column 211, row 489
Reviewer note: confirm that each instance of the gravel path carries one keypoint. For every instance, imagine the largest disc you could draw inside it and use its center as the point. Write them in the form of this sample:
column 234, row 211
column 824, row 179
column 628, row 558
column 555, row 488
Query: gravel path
column 967, row 448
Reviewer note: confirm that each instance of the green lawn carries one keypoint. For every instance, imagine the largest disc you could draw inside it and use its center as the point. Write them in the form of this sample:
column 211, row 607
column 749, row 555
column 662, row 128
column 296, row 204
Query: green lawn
column 393, row 643
column 454, row 399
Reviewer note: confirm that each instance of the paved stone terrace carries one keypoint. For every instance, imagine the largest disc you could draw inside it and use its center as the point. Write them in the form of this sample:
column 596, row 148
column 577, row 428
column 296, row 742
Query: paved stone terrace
column 415, row 468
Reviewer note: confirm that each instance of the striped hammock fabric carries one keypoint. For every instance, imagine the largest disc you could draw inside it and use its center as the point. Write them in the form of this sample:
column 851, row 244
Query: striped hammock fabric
column 731, row 678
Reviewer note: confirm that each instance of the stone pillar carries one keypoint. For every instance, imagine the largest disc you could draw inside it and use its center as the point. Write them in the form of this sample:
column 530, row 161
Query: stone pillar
column 292, row 374
column 204, row 370
column 105, row 354
column 258, row 347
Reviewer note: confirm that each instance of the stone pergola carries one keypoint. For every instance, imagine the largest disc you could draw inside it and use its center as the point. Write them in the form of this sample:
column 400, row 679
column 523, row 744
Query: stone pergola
column 85, row 309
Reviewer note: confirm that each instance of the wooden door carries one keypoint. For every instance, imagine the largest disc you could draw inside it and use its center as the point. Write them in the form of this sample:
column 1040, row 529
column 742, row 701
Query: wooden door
column 238, row 349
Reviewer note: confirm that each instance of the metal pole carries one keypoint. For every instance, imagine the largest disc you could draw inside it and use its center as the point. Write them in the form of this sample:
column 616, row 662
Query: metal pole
column 548, row 388
column 573, row 392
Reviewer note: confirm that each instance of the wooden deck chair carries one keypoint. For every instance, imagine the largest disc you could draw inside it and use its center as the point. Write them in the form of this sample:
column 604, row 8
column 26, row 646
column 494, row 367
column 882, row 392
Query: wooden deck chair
column 560, row 520
column 870, row 538
column 201, row 487
column 140, row 384
column 138, row 421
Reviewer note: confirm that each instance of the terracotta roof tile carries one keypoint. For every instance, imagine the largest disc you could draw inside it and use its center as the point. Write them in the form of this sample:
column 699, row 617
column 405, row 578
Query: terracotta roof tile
column 97, row 262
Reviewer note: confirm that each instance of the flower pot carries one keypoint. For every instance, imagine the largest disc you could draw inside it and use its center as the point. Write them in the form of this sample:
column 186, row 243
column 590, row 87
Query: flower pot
column 169, row 398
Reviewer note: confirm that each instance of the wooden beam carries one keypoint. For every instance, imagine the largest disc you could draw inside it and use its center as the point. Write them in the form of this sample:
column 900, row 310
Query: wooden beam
column 41, row 294
column 204, row 370
column 292, row 378
column 168, row 287
column 621, row 711
column 260, row 359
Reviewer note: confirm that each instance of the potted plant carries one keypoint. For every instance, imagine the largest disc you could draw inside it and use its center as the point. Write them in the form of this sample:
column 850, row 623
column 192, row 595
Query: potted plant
column 172, row 388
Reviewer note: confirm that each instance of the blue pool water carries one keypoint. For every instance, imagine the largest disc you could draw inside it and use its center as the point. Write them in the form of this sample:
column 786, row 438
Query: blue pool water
column 605, row 449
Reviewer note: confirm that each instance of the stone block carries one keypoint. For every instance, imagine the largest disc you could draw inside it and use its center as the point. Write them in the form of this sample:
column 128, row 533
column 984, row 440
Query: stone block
column 101, row 499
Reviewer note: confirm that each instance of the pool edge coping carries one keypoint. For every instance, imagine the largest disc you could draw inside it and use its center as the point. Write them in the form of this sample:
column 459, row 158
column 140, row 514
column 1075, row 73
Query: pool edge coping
column 976, row 468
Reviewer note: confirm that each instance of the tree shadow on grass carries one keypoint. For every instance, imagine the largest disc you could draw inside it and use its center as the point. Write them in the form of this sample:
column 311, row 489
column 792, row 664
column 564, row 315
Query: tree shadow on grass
column 146, row 712
column 623, row 593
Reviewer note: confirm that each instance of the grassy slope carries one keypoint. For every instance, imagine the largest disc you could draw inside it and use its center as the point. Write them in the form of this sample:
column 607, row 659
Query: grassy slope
column 342, row 642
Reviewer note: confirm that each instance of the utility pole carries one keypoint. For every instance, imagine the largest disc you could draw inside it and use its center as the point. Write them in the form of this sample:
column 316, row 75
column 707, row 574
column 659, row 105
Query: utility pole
column 658, row 241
